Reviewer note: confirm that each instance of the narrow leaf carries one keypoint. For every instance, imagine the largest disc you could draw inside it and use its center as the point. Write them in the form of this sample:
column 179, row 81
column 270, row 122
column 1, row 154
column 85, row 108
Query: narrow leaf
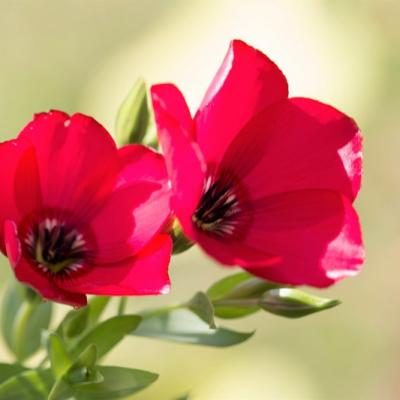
column 107, row 334
column 77, row 322
column 96, row 307
column 201, row 305
column 28, row 385
column 182, row 326
column 59, row 359
column 228, row 310
column 9, row 370
column 81, row 372
column 118, row 383
column 239, row 286
column 229, row 295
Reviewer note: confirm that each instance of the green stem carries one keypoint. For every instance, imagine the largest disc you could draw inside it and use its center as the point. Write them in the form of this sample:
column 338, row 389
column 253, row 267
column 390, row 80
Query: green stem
column 122, row 305
column 20, row 327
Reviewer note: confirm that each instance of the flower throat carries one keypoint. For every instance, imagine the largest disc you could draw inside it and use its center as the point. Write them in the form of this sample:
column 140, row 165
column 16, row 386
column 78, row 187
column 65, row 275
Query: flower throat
column 219, row 208
column 56, row 247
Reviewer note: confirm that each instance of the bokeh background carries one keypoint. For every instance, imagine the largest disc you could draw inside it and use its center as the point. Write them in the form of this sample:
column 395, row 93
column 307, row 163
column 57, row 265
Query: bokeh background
column 84, row 55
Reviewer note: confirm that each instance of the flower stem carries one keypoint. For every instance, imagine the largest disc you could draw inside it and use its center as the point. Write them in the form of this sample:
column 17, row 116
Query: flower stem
column 122, row 305
column 20, row 327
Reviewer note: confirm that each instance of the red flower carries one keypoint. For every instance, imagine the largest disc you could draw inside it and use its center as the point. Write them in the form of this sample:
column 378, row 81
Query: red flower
column 80, row 216
column 262, row 180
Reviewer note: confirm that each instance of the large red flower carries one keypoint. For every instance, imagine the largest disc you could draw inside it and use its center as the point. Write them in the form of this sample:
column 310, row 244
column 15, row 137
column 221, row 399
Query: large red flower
column 81, row 216
column 261, row 180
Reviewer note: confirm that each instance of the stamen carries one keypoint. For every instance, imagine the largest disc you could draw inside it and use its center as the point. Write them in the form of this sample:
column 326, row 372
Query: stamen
column 56, row 247
column 219, row 208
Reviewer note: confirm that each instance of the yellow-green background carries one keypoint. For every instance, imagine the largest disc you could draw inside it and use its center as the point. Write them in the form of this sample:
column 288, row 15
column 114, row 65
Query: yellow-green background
column 84, row 55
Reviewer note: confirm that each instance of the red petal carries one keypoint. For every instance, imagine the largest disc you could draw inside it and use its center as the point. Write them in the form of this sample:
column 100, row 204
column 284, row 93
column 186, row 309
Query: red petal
column 171, row 100
column 145, row 274
column 137, row 210
column 75, row 157
column 315, row 233
column 11, row 153
column 297, row 144
column 131, row 218
column 246, row 83
column 27, row 187
column 140, row 163
column 185, row 166
column 234, row 252
column 27, row 273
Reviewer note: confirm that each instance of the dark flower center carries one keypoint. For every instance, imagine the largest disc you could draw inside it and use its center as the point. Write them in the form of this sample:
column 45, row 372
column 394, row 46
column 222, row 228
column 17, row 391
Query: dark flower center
column 220, row 207
column 55, row 246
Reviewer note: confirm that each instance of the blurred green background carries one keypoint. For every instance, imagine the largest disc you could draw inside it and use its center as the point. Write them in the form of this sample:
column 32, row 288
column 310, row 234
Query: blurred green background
column 84, row 55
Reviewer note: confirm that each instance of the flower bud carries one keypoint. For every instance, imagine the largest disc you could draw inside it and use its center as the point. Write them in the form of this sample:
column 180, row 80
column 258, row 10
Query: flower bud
column 134, row 122
column 293, row 303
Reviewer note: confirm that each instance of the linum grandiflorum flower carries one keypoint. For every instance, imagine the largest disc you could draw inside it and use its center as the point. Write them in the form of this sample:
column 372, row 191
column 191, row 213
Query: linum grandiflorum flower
column 261, row 180
column 81, row 216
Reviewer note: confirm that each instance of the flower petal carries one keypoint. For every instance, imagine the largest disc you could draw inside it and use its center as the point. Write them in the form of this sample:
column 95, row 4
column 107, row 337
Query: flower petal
column 184, row 162
column 315, row 233
column 145, row 274
column 235, row 252
column 27, row 187
column 11, row 153
column 76, row 158
column 169, row 97
column 130, row 219
column 294, row 145
column 246, row 83
column 27, row 273
column 140, row 163
column 138, row 208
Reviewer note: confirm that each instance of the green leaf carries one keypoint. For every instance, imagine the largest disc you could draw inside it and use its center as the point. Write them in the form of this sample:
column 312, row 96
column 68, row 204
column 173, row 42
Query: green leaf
column 9, row 370
column 76, row 322
column 226, row 293
column 118, row 383
column 233, row 310
column 239, row 286
column 59, row 359
column 294, row 303
column 12, row 301
column 107, row 334
column 183, row 326
column 134, row 119
column 81, row 372
column 96, row 308
column 224, row 286
column 201, row 305
column 23, row 321
column 62, row 390
column 28, row 385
